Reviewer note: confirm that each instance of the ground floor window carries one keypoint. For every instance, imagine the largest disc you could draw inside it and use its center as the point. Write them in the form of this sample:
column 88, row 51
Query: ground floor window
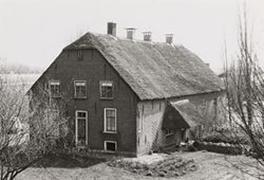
column 110, row 146
column 52, row 121
column 110, row 120
column 81, row 128
column 168, row 132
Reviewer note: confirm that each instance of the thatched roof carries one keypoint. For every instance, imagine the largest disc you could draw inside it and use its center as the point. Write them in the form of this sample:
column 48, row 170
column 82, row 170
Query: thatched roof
column 153, row 70
column 188, row 112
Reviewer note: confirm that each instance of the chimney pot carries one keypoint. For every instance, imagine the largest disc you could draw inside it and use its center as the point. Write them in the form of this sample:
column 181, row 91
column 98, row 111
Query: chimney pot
column 147, row 36
column 111, row 28
column 169, row 38
column 130, row 33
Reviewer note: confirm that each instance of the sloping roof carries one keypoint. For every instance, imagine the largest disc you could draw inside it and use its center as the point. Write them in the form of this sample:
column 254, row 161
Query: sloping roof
column 153, row 70
column 188, row 112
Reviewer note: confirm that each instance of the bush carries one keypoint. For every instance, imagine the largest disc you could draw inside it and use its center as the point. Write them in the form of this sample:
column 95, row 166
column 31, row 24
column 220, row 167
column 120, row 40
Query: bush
column 219, row 148
column 225, row 138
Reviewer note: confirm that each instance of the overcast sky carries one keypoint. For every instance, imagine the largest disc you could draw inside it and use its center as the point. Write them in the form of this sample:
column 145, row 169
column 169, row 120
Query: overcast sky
column 33, row 32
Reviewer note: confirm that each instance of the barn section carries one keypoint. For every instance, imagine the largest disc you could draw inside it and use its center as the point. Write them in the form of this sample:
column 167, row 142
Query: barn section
column 190, row 112
column 89, row 65
column 149, row 125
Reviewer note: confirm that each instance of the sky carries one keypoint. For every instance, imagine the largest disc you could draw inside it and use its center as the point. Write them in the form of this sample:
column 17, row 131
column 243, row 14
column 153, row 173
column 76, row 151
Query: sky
column 34, row 32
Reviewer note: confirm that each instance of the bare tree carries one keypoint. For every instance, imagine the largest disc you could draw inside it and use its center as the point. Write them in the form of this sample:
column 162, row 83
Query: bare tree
column 244, row 84
column 20, row 148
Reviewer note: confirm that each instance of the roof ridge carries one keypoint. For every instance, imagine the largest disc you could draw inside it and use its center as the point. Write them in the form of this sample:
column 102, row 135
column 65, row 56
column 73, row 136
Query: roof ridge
column 133, row 40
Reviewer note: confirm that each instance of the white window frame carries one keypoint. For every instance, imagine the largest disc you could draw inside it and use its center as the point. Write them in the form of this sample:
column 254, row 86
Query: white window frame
column 56, row 83
column 140, row 120
column 140, row 124
column 75, row 92
column 109, row 83
column 107, row 141
column 76, row 126
column 168, row 132
column 105, row 128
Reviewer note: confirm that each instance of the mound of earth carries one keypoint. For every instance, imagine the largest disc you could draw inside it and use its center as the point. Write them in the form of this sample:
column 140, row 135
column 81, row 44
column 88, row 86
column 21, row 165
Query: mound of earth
column 168, row 167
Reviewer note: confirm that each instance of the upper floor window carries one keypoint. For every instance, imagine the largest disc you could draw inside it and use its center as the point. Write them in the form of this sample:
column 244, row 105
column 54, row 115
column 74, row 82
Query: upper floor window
column 54, row 88
column 79, row 55
column 110, row 120
column 106, row 89
column 80, row 89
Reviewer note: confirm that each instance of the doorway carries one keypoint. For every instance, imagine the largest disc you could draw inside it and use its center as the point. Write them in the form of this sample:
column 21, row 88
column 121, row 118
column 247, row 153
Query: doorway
column 81, row 128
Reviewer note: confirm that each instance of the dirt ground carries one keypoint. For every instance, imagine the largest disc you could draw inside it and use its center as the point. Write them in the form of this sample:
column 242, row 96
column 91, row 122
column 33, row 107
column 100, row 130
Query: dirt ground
column 211, row 166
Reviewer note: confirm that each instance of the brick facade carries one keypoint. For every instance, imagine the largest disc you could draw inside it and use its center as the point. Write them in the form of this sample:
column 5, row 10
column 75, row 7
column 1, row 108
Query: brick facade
column 89, row 65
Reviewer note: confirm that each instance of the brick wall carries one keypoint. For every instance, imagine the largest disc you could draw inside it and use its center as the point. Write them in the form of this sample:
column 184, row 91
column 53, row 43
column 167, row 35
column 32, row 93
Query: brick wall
column 91, row 66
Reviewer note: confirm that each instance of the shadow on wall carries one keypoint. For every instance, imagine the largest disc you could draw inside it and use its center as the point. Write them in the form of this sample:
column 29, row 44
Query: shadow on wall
column 159, row 137
column 155, row 147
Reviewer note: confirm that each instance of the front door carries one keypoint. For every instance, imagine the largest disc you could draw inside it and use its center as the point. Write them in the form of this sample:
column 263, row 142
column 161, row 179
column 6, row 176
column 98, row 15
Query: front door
column 81, row 128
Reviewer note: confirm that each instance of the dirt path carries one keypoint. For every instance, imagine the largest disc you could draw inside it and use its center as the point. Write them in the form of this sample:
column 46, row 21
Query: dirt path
column 212, row 166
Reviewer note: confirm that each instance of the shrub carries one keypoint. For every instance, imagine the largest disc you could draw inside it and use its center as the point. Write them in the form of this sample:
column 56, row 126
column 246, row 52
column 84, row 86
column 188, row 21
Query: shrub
column 225, row 138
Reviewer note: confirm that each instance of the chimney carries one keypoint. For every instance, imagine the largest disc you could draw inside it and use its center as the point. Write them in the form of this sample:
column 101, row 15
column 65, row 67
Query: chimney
column 130, row 33
column 147, row 36
column 111, row 28
column 169, row 38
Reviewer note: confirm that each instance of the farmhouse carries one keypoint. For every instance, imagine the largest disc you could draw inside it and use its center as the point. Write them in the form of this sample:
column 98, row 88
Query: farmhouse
column 130, row 96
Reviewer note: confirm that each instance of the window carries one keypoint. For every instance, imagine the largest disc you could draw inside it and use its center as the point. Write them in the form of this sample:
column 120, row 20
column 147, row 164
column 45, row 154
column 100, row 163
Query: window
column 52, row 121
column 80, row 89
column 81, row 127
column 110, row 146
column 140, row 118
column 168, row 132
column 106, row 89
column 203, row 106
column 110, row 120
column 79, row 55
column 53, row 114
column 139, row 122
column 54, row 88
